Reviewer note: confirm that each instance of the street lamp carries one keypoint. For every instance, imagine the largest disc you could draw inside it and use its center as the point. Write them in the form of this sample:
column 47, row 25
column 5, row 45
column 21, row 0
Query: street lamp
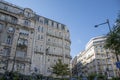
column 107, row 22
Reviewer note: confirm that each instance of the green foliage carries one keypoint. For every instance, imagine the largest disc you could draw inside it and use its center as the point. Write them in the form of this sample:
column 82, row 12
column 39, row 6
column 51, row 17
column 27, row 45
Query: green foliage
column 19, row 76
column 61, row 79
column 113, row 39
column 61, row 69
column 99, row 77
column 92, row 76
column 115, row 78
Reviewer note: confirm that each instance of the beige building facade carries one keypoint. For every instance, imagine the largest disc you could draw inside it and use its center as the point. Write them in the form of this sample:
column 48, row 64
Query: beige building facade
column 30, row 43
column 96, row 59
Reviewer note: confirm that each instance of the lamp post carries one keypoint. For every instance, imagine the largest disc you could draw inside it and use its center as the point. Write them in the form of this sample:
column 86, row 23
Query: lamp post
column 107, row 22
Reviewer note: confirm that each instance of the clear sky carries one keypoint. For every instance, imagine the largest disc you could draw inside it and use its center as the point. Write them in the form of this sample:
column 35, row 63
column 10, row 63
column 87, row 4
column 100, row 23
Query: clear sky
column 79, row 15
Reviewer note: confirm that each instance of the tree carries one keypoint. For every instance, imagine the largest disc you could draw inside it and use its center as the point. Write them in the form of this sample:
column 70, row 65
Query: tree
column 61, row 69
column 113, row 39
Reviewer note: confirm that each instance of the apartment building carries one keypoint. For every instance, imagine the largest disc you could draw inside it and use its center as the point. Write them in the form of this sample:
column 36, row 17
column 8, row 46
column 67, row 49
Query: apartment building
column 96, row 59
column 30, row 43
column 74, row 66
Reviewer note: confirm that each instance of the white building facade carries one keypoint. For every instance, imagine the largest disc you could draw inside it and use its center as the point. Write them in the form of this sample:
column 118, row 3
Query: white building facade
column 29, row 42
column 95, row 59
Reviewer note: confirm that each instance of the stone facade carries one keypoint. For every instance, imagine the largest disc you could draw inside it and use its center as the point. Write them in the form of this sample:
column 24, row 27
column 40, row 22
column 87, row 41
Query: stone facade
column 30, row 43
column 95, row 59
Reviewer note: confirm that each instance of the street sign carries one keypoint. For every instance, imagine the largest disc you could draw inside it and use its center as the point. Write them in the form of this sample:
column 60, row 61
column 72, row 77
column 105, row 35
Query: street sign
column 118, row 64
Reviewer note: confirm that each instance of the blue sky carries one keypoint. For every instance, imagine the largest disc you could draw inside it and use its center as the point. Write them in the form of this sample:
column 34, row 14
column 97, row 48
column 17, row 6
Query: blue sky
column 79, row 15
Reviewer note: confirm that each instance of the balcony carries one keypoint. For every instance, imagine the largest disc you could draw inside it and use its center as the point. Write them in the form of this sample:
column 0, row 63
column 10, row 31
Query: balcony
column 67, row 39
column 7, row 44
column 39, row 51
column 49, row 43
column 23, row 59
column 54, row 44
column 67, row 47
column 24, row 35
column 53, row 35
column 57, row 45
column 11, row 8
column 8, row 18
column 53, row 54
column 4, row 56
column 22, row 46
column 68, row 56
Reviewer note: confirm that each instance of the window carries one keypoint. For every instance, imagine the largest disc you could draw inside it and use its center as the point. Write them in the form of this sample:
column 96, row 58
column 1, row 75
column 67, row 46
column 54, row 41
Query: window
column 41, row 47
column 102, row 50
column 63, row 27
column 1, row 26
column 9, row 39
column 13, row 20
column 46, row 21
column 52, row 23
column 109, row 60
column 6, row 52
column 28, row 14
column 35, row 69
column 2, row 17
column 5, row 7
column 24, row 32
column 48, row 39
column 36, row 48
column 41, row 36
column 20, row 66
column 41, row 21
column 22, row 41
column 26, row 22
column 40, row 29
column 100, row 46
column 54, row 40
column 48, row 70
column 38, row 37
column 57, row 26
column 11, row 29
column 59, row 33
column 48, row 59
column 110, row 67
column 67, row 30
column 21, row 54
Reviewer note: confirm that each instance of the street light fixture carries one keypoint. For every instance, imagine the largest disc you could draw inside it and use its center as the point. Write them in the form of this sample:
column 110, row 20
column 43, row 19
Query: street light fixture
column 107, row 22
